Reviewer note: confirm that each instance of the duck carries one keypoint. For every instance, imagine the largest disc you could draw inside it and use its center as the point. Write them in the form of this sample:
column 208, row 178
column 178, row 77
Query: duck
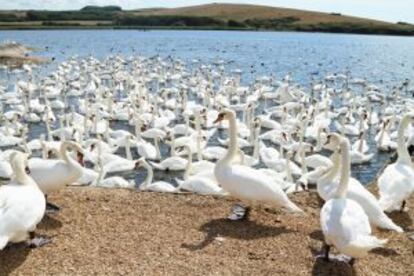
column 396, row 181
column 22, row 206
column 343, row 221
column 244, row 182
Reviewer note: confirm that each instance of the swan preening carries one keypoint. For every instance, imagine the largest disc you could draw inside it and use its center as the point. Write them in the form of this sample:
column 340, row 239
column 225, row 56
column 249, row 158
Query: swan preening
column 127, row 122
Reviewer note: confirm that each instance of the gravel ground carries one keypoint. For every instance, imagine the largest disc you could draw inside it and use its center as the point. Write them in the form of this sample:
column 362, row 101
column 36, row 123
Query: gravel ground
column 123, row 232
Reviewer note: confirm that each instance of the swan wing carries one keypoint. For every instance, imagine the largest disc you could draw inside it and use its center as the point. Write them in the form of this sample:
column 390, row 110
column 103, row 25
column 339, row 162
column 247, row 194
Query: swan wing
column 250, row 184
column 342, row 221
column 51, row 174
column 395, row 184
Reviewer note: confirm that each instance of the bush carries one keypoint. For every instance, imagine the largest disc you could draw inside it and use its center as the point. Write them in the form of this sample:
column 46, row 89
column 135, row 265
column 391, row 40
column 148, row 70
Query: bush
column 91, row 15
column 101, row 9
column 62, row 24
column 9, row 17
column 404, row 23
column 274, row 23
column 235, row 24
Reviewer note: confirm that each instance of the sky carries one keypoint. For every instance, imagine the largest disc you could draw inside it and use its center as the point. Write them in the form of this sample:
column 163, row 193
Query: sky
column 387, row 10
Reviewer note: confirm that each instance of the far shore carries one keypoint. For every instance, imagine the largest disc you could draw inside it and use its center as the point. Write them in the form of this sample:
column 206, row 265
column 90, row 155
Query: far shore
column 38, row 27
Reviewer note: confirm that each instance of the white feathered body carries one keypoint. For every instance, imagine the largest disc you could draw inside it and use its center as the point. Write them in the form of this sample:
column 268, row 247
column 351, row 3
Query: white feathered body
column 21, row 208
column 252, row 185
column 52, row 175
column 395, row 184
column 346, row 226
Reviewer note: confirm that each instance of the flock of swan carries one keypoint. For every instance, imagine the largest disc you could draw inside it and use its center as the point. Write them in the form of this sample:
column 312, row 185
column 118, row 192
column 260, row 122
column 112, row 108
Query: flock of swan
column 102, row 118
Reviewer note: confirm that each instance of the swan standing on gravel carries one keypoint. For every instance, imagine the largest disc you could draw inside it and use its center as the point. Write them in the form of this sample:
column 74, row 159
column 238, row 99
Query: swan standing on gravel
column 244, row 182
column 396, row 183
column 328, row 184
column 343, row 221
column 52, row 175
column 22, row 206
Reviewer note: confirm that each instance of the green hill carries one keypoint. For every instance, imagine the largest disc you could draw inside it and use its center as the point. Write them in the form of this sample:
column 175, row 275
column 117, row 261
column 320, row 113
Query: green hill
column 210, row 16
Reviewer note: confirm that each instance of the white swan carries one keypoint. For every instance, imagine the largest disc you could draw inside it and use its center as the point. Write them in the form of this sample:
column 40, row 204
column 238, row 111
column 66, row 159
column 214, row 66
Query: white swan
column 343, row 221
column 173, row 163
column 22, row 204
column 52, row 175
column 328, row 184
column 200, row 181
column 396, row 182
column 244, row 182
column 158, row 186
column 111, row 182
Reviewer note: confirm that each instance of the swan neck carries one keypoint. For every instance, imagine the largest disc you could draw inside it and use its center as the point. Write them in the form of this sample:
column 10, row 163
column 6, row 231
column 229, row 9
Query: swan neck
column 150, row 175
column 128, row 149
column 345, row 171
column 403, row 155
column 157, row 149
column 189, row 163
column 233, row 144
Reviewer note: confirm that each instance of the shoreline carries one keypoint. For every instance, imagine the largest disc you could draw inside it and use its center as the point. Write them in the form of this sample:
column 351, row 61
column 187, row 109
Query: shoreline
column 167, row 28
column 133, row 28
column 115, row 231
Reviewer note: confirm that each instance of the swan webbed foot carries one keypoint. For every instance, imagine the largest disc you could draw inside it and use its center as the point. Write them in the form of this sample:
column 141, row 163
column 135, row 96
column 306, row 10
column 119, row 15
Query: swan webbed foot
column 52, row 208
column 239, row 212
column 35, row 242
column 403, row 206
column 324, row 254
column 326, row 249
column 304, row 187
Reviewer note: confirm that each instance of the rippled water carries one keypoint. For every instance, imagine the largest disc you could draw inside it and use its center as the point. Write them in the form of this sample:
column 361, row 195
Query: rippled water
column 384, row 60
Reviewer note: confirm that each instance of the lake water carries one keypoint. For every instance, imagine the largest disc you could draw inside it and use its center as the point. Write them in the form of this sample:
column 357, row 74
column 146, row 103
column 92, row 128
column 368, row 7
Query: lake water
column 384, row 60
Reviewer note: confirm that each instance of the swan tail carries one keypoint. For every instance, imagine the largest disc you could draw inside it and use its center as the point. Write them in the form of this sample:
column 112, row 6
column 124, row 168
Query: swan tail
column 384, row 222
column 157, row 166
column 292, row 208
column 180, row 184
column 386, row 203
column 367, row 243
column 3, row 242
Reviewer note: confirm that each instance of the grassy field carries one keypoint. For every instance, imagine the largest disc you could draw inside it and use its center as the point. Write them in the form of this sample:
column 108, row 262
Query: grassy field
column 210, row 16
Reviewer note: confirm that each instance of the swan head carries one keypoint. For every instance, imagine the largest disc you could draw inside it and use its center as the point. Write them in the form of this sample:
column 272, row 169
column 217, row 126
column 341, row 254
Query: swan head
column 80, row 157
column 257, row 122
column 332, row 141
column 140, row 163
column 226, row 114
column 18, row 161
